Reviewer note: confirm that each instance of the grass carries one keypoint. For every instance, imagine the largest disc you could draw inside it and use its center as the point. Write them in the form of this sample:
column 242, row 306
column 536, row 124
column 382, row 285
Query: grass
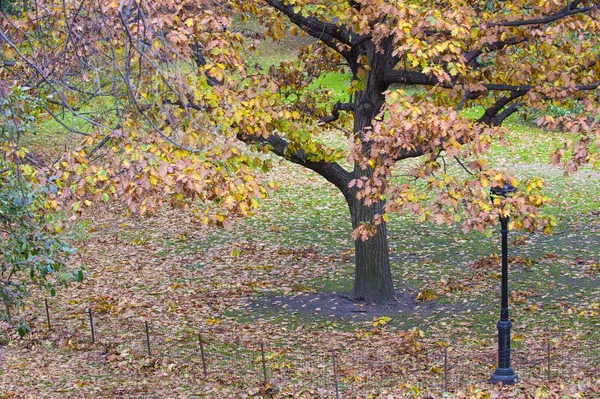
column 423, row 256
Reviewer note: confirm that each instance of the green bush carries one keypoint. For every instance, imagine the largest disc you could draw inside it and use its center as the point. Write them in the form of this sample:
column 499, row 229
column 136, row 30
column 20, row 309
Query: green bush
column 33, row 247
column 14, row 7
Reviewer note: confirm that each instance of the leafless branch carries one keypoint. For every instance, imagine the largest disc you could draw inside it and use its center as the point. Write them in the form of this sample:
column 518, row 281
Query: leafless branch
column 463, row 166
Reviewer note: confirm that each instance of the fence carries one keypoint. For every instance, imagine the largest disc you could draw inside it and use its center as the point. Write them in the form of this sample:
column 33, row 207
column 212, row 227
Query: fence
column 215, row 358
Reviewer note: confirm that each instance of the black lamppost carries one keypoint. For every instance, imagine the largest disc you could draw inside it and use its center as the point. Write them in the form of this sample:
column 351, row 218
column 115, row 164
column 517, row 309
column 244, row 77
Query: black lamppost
column 504, row 373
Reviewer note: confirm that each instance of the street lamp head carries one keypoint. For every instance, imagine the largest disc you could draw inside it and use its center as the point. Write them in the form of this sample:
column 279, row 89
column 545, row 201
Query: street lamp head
column 502, row 191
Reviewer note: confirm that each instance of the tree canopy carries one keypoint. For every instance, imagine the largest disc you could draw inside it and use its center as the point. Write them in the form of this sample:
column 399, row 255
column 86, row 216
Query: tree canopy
column 163, row 101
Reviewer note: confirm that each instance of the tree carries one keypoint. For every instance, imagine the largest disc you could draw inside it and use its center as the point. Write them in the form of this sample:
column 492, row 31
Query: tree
column 179, row 94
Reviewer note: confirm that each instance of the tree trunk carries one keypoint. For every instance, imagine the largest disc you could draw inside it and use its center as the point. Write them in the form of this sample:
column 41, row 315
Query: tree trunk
column 372, row 276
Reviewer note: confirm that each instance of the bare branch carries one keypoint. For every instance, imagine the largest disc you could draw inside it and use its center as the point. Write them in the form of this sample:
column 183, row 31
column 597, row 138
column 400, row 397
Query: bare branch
column 98, row 146
column 33, row 159
column 406, row 154
column 47, row 80
column 464, row 166
column 62, row 104
column 139, row 107
column 463, row 100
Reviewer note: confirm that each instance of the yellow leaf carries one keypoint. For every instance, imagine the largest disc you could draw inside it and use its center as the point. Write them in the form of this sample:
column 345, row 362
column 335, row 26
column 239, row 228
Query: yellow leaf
column 381, row 321
column 426, row 295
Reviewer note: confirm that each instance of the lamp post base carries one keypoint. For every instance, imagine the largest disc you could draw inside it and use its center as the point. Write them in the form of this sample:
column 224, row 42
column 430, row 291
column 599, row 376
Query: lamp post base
column 504, row 376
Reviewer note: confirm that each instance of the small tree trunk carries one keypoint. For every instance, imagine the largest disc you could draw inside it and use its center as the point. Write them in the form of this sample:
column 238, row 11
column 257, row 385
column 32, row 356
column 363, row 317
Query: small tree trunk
column 372, row 277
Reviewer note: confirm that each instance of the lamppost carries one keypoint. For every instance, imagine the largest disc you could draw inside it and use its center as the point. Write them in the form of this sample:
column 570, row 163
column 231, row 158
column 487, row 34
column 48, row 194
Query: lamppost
column 504, row 373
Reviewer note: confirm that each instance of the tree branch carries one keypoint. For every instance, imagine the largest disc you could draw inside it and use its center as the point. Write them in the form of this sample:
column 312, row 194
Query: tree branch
column 335, row 37
column 405, row 154
column 468, row 95
column 410, row 78
column 45, row 77
column 355, row 4
column 132, row 93
column 99, row 146
column 564, row 12
column 505, row 87
column 185, row 105
column 498, row 119
column 201, row 61
column 62, row 104
column 34, row 160
column 489, row 47
column 331, row 171
column 335, row 113
column 491, row 115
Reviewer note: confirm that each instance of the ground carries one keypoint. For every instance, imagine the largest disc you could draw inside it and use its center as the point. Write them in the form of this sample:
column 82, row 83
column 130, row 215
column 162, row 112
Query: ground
column 282, row 281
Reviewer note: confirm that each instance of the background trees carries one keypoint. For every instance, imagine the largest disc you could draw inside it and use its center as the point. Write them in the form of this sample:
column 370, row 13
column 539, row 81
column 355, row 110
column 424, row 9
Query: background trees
column 181, row 112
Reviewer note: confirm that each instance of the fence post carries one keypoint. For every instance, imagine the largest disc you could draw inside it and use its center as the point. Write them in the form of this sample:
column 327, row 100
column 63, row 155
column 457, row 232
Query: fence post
column 446, row 369
column 202, row 354
column 549, row 359
column 48, row 314
column 264, row 364
column 92, row 325
column 335, row 376
column 147, row 338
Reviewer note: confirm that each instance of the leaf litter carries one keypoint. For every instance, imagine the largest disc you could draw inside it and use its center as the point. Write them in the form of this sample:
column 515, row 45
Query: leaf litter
column 281, row 277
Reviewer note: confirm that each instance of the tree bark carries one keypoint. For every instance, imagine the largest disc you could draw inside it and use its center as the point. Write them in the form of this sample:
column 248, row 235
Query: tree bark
column 372, row 276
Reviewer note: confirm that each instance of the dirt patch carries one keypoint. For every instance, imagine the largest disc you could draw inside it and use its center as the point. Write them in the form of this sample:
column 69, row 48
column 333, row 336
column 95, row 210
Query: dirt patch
column 339, row 306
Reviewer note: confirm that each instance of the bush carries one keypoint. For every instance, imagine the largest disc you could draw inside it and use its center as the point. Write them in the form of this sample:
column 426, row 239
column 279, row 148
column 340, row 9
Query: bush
column 14, row 7
column 33, row 247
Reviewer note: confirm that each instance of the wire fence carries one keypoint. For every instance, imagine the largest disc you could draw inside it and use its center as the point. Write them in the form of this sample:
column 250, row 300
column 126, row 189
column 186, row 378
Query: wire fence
column 214, row 356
